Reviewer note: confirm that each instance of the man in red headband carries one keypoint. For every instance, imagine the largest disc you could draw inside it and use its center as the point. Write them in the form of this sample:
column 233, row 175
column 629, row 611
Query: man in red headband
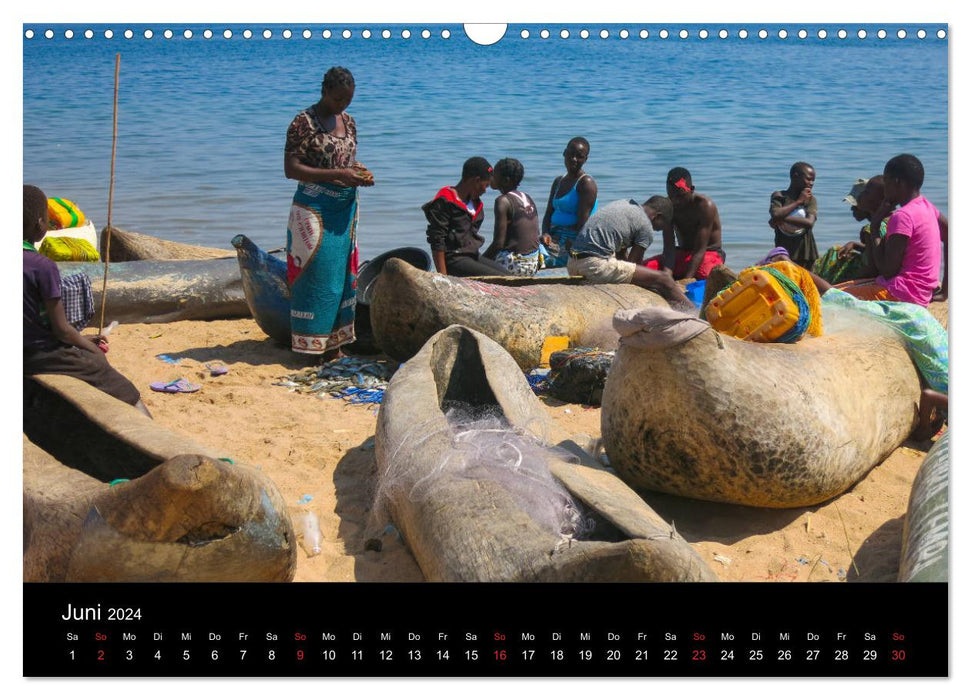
column 692, row 241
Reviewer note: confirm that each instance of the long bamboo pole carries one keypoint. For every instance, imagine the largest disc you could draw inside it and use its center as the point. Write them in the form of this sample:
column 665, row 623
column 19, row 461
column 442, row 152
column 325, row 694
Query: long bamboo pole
column 111, row 194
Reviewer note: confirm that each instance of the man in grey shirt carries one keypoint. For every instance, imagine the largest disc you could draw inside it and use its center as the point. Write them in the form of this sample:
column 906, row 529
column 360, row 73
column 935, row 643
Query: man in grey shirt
column 612, row 243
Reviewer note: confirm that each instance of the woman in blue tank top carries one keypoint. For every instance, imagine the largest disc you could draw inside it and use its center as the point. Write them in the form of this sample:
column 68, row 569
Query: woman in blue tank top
column 573, row 198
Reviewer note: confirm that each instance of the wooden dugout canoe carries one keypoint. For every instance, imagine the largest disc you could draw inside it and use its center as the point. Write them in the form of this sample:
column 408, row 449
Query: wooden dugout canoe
column 185, row 515
column 268, row 293
column 924, row 555
column 758, row 424
column 473, row 529
column 264, row 278
column 127, row 246
column 409, row 306
column 161, row 291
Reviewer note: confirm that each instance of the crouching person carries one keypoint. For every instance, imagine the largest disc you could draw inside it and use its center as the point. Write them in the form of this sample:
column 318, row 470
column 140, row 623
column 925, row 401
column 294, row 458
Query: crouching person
column 613, row 241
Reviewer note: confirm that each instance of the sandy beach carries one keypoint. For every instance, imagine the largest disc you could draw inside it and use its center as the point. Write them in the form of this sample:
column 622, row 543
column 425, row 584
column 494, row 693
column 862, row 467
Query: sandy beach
column 320, row 453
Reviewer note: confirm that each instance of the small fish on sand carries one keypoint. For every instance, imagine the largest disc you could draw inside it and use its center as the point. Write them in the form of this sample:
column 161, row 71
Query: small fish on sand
column 343, row 378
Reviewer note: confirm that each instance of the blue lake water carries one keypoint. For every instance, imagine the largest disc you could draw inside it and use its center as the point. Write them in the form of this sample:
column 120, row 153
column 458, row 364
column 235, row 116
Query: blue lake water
column 202, row 122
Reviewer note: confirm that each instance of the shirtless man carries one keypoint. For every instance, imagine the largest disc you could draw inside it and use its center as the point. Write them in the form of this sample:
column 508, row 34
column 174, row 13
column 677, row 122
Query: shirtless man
column 692, row 241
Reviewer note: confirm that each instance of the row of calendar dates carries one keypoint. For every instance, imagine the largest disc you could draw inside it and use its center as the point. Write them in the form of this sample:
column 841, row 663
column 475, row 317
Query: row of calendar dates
column 300, row 647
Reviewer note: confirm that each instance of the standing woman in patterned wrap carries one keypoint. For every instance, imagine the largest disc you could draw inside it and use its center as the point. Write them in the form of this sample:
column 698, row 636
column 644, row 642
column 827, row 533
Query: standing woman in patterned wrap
column 321, row 153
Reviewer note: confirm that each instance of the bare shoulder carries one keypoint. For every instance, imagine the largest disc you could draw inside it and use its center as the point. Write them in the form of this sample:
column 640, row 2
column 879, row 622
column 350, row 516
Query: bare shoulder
column 707, row 204
column 502, row 202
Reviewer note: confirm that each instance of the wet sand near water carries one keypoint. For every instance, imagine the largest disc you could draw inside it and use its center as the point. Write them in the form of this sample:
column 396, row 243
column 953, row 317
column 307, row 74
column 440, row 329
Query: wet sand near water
column 320, row 453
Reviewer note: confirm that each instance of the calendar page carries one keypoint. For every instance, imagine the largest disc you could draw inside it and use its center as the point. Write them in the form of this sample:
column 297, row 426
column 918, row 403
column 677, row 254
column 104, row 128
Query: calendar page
column 511, row 350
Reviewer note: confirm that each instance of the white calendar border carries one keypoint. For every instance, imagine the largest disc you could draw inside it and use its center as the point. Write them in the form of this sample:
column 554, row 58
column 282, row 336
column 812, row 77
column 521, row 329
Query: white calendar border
column 440, row 11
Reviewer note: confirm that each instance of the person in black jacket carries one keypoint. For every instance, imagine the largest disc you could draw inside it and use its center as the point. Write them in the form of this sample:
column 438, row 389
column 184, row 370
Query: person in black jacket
column 454, row 218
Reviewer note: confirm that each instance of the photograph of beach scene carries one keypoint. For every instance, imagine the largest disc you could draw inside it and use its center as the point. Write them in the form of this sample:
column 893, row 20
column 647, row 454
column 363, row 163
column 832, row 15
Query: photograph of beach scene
column 593, row 302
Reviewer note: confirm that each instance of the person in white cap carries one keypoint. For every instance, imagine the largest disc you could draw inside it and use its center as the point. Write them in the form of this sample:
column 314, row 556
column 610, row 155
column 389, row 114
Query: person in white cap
column 846, row 262
column 853, row 197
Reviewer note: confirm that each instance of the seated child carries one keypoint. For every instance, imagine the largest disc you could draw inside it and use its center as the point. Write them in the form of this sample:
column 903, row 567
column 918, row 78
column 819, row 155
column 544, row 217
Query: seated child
column 51, row 344
column 515, row 241
column 908, row 261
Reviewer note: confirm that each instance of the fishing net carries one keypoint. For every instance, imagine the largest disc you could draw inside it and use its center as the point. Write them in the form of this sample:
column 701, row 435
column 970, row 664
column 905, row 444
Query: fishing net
column 485, row 448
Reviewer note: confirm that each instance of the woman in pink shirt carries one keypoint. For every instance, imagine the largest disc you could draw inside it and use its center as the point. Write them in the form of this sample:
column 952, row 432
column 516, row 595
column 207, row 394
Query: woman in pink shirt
column 908, row 261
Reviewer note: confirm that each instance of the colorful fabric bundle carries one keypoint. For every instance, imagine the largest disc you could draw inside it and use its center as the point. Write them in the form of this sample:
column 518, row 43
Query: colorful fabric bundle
column 63, row 213
column 834, row 269
column 66, row 249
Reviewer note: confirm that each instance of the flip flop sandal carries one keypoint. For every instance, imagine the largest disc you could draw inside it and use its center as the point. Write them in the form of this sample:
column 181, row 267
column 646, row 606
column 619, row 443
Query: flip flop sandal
column 179, row 386
column 216, row 369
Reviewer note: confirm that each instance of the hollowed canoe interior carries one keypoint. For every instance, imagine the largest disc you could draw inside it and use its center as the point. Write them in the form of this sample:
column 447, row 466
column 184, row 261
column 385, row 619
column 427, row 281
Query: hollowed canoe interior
column 461, row 380
column 460, row 373
column 59, row 428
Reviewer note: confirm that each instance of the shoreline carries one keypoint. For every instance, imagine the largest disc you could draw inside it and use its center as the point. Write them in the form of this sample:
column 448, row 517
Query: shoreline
column 323, row 449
